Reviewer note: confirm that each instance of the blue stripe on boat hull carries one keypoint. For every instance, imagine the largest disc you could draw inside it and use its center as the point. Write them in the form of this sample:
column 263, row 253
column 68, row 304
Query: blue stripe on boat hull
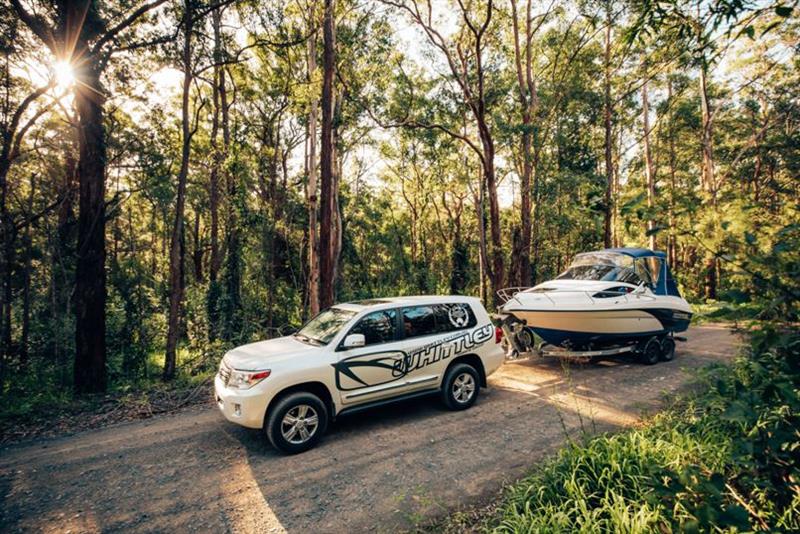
column 665, row 316
column 576, row 339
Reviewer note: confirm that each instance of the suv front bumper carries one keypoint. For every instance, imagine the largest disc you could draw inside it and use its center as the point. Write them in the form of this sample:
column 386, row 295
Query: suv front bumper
column 244, row 407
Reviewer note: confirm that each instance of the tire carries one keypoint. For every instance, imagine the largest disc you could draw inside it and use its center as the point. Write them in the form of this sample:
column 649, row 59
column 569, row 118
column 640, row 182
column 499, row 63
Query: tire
column 302, row 407
column 667, row 349
column 651, row 352
column 460, row 386
column 525, row 339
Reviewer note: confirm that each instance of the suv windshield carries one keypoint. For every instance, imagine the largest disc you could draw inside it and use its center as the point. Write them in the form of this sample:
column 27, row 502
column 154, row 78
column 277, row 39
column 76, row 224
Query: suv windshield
column 604, row 266
column 323, row 328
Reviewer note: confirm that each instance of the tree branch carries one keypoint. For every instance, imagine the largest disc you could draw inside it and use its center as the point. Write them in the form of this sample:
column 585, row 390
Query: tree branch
column 38, row 26
column 130, row 19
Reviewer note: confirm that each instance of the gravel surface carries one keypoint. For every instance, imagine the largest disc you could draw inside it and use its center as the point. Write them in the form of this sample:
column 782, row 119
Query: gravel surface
column 383, row 470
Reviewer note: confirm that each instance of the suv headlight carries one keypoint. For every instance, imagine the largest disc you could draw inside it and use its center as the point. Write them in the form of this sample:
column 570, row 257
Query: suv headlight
column 246, row 379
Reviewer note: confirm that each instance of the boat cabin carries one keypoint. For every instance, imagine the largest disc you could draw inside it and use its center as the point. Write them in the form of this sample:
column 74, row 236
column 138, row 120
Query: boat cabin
column 627, row 265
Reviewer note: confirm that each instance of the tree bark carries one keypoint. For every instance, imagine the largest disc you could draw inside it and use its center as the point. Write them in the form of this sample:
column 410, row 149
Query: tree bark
column 326, row 233
column 217, row 156
column 707, row 174
column 26, row 281
column 527, row 98
column 648, row 167
column 671, row 245
column 175, row 256
column 312, row 186
column 607, row 114
column 487, row 143
column 90, row 274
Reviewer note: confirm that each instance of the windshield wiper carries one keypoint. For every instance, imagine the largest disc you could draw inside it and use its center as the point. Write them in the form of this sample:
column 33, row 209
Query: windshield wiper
column 310, row 340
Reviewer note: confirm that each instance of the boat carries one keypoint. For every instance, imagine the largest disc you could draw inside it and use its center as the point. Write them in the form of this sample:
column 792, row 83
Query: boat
column 615, row 297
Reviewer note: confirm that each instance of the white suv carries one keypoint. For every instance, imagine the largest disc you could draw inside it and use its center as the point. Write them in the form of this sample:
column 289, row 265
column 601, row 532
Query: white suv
column 357, row 355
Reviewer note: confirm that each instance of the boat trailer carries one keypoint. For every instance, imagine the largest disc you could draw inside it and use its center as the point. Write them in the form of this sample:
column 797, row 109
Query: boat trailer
column 520, row 344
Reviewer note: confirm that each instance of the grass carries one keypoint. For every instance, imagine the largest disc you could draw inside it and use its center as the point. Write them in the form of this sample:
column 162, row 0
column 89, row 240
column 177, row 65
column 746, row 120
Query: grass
column 724, row 459
column 725, row 312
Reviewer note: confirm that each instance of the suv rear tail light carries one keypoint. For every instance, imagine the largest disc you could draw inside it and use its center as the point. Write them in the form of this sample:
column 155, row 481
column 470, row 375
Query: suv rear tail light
column 498, row 334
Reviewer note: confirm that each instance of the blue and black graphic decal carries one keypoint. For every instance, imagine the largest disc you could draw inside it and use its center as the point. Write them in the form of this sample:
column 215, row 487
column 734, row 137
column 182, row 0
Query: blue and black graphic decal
column 377, row 368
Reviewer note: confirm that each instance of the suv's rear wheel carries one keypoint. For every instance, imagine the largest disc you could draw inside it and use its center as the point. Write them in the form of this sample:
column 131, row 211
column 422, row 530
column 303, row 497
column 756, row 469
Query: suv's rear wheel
column 460, row 386
column 297, row 422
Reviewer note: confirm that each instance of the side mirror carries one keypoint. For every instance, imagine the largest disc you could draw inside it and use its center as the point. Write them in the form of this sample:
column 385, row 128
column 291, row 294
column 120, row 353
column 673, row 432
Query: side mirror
column 354, row 341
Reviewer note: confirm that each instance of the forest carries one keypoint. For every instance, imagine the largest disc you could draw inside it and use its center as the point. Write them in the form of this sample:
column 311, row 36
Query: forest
column 178, row 177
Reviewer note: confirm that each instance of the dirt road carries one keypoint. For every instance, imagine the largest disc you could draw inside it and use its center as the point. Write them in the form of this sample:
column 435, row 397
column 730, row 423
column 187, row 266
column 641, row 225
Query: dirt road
column 382, row 470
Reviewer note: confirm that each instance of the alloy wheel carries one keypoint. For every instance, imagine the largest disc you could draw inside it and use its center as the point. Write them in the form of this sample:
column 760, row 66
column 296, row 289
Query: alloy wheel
column 299, row 424
column 463, row 388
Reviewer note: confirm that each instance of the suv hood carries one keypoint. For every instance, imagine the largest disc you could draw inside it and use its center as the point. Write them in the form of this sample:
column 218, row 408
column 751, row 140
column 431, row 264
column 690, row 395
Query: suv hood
column 262, row 354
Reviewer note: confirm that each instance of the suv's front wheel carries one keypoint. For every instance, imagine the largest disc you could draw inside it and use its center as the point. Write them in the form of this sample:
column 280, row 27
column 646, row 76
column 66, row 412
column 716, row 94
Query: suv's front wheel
column 297, row 422
column 460, row 386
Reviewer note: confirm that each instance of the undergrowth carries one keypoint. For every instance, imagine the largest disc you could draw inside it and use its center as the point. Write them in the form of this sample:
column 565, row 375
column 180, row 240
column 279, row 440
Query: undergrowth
column 724, row 459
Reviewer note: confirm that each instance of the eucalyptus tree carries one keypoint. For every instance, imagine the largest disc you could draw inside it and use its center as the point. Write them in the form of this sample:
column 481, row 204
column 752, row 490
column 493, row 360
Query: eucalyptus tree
column 86, row 34
column 465, row 55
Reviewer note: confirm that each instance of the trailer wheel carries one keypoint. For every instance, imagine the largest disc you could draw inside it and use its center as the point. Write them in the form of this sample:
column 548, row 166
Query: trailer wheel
column 667, row 349
column 525, row 339
column 651, row 352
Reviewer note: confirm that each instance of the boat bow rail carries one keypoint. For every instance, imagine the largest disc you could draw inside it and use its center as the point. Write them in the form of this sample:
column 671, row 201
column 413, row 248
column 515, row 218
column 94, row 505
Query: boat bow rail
column 509, row 293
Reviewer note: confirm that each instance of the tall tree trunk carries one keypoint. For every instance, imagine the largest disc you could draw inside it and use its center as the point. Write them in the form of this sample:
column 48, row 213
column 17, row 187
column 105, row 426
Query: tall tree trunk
column 326, row 234
column 607, row 115
column 6, row 262
column 527, row 99
column 483, row 261
column 648, row 167
column 671, row 245
column 338, row 219
column 497, row 273
column 197, row 253
column 216, row 155
column 90, row 274
column 26, row 281
column 175, row 256
column 312, row 186
column 707, row 174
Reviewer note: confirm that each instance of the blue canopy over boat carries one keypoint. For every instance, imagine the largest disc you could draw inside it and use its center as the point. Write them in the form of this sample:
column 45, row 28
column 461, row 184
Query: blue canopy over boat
column 665, row 284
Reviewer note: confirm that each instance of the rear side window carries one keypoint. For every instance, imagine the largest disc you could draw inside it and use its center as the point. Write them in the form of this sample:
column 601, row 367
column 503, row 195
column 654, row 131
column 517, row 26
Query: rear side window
column 450, row 317
column 377, row 327
column 437, row 319
column 419, row 321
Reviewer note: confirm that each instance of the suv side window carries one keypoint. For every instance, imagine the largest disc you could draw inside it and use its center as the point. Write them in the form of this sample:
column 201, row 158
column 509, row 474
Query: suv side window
column 437, row 319
column 419, row 321
column 377, row 327
column 451, row 317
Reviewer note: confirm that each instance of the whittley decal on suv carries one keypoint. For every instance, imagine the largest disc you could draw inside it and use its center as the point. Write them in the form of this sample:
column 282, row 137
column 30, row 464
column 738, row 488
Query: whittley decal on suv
column 378, row 368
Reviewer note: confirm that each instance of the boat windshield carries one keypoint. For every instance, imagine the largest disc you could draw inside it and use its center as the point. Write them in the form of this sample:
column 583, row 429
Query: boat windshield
column 613, row 267
column 323, row 328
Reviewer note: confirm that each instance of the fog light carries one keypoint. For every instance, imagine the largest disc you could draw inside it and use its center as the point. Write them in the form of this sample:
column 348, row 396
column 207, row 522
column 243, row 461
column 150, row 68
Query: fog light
column 237, row 410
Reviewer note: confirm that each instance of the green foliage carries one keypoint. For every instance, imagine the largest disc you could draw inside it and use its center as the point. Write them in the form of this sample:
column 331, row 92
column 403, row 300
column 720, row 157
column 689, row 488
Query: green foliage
column 409, row 197
column 725, row 459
